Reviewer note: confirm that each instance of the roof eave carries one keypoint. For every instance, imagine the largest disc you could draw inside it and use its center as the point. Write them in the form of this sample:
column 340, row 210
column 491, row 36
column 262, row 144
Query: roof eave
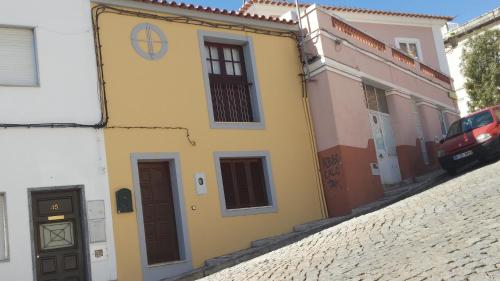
column 204, row 13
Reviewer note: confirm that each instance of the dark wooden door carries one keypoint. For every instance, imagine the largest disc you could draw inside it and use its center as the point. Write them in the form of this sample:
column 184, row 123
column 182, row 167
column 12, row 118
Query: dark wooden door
column 158, row 212
column 57, row 226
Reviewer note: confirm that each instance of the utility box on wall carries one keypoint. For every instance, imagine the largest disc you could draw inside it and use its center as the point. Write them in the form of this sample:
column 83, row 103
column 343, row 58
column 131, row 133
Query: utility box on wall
column 124, row 201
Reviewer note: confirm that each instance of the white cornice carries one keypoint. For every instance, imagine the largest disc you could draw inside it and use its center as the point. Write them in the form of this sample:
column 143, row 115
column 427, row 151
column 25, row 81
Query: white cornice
column 198, row 14
column 268, row 9
column 420, row 103
column 397, row 93
column 451, row 112
column 387, row 19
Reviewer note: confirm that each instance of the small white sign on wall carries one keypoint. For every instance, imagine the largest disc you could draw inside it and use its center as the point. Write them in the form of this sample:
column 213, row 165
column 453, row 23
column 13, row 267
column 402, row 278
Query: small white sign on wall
column 375, row 169
column 96, row 222
column 97, row 231
column 95, row 209
column 200, row 183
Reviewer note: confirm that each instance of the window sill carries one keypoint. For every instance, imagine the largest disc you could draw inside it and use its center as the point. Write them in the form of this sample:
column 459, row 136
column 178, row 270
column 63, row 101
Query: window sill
column 170, row 263
column 248, row 211
column 238, row 125
column 20, row 86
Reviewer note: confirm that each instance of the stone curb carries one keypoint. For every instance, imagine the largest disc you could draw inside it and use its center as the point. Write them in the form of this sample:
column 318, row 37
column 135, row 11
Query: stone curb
column 266, row 245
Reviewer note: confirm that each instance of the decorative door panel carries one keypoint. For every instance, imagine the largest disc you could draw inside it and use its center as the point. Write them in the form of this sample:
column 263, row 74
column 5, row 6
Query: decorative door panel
column 58, row 236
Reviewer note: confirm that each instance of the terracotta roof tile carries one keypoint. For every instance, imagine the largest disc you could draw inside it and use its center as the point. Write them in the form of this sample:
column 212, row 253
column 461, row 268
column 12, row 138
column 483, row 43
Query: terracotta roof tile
column 224, row 12
column 249, row 3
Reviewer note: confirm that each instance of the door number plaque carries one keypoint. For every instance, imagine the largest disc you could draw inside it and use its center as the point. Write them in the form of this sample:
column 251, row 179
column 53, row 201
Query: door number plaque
column 55, row 218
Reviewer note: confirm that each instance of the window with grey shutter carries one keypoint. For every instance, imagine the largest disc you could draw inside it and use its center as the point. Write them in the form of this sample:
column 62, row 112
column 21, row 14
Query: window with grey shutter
column 3, row 229
column 17, row 57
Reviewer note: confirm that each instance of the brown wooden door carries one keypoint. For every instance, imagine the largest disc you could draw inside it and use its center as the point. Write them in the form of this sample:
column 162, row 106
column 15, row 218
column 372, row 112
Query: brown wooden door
column 158, row 212
column 58, row 233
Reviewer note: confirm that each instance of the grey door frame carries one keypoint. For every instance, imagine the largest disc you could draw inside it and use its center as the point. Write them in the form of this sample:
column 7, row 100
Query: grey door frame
column 84, row 234
column 170, row 269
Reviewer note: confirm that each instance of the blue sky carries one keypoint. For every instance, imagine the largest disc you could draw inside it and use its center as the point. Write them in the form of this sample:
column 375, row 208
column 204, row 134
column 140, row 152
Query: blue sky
column 463, row 10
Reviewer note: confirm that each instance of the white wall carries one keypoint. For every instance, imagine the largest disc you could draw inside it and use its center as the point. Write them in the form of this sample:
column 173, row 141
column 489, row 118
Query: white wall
column 66, row 62
column 35, row 158
column 45, row 157
column 454, row 56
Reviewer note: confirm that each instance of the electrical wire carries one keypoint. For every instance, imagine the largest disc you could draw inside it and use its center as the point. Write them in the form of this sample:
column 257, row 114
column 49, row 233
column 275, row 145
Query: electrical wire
column 186, row 130
column 99, row 10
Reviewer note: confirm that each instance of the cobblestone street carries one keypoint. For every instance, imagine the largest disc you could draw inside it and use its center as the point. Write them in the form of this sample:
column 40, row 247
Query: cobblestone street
column 450, row 232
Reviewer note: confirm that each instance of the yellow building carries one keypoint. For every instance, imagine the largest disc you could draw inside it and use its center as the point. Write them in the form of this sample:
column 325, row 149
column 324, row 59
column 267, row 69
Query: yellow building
column 207, row 128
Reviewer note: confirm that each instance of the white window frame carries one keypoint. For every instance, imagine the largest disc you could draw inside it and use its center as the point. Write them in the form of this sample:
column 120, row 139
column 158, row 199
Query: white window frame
column 35, row 54
column 251, row 72
column 408, row 41
column 271, row 192
column 4, row 228
column 442, row 121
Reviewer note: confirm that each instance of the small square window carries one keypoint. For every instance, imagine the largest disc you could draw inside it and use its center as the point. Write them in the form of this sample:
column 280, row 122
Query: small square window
column 376, row 99
column 4, row 255
column 17, row 57
column 410, row 46
column 245, row 184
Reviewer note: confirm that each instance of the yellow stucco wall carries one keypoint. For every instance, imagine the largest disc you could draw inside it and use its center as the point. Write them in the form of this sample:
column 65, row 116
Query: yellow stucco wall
column 170, row 92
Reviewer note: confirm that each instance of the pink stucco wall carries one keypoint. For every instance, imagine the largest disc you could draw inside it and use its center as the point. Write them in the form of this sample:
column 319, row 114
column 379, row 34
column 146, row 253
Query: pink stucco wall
column 322, row 112
column 403, row 119
column 378, row 64
column 339, row 112
column 430, row 122
column 388, row 33
column 450, row 118
column 382, row 71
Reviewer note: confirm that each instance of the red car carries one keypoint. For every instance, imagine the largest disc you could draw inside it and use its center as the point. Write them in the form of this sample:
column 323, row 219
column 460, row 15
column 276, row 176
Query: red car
column 474, row 137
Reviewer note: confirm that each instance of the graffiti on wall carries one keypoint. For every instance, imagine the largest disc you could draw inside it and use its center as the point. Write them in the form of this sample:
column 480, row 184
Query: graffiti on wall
column 331, row 168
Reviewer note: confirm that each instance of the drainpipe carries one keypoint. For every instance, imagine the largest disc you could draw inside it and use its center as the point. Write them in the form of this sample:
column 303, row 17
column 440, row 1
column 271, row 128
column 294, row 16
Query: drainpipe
column 301, row 43
column 307, row 110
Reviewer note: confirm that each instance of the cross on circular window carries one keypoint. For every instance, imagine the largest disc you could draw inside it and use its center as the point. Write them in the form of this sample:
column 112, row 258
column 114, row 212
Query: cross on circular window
column 149, row 41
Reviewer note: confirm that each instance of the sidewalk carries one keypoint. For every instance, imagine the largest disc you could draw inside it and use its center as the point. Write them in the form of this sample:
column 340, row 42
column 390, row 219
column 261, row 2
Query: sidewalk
column 259, row 247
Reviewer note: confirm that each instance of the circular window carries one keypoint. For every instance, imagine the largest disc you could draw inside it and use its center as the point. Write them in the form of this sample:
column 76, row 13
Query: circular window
column 149, row 41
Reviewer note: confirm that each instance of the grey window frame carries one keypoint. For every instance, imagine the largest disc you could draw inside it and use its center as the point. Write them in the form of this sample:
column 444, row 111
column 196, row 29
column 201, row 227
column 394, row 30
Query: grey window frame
column 270, row 188
column 250, row 68
column 36, row 66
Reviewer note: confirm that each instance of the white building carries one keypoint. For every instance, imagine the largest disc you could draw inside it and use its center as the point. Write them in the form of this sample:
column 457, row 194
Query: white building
column 55, row 216
column 456, row 36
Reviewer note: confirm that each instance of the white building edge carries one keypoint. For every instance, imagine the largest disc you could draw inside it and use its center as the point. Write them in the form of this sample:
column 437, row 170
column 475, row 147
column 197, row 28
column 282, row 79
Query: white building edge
column 49, row 75
column 455, row 37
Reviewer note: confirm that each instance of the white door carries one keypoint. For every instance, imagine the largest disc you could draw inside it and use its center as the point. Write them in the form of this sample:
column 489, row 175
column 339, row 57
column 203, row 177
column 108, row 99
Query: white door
column 420, row 135
column 385, row 147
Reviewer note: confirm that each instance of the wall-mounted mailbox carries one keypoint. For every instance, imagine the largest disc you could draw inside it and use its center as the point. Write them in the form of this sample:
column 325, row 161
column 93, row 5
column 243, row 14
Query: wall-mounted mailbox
column 124, row 201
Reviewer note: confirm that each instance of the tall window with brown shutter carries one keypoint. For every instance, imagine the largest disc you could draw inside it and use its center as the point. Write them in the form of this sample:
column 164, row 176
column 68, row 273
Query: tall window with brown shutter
column 229, row 87
column 244, row 182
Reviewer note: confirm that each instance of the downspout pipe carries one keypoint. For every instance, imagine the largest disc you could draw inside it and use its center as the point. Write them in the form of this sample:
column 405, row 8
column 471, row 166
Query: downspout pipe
column 305, row 73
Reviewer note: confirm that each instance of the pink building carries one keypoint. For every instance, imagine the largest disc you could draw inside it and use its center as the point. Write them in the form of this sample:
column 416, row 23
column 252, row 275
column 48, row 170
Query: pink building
column 379, row 92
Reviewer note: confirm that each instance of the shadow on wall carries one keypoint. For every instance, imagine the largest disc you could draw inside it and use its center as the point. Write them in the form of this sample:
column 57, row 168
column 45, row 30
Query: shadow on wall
column 411, row 160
